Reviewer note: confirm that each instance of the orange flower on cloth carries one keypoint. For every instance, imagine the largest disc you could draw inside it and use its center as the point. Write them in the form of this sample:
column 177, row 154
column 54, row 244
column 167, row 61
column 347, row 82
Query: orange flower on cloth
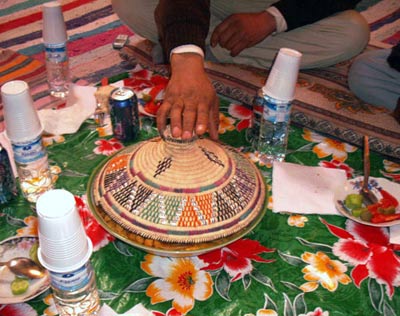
column 180, row 280
column 31, row 227
column 323, row 270
column 297, row 220
column 225, row 124
column 328, row 146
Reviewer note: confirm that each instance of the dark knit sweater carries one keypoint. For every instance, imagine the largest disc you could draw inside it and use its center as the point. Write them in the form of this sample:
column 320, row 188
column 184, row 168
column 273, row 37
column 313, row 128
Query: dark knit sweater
column 182, row 22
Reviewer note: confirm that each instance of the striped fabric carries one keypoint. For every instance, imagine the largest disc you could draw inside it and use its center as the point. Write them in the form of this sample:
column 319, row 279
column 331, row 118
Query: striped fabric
column 91, row 27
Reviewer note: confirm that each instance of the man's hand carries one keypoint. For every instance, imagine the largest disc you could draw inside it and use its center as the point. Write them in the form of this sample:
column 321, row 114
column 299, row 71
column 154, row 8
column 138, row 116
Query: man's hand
column 243, row 30
column 190, row 100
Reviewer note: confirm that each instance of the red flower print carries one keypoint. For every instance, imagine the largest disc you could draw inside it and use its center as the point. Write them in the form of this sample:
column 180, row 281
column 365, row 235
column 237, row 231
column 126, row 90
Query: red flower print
column 368, row 249
column 170, row 312
column 107, row 147
column 17, row 310
column 236, row 258
column 95, row 232
column 336, row 164
column 242, row 113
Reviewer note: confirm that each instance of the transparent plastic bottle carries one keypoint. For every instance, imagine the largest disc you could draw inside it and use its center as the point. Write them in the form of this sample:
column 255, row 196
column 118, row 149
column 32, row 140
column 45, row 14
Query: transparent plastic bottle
column 57, row 67
column 32, row 168
column 75, row 293
column 274, row 101
column 273, row 136
column 253, row 131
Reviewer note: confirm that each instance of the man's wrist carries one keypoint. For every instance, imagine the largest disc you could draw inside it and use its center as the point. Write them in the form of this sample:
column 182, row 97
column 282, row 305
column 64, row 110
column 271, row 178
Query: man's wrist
column 281, row 25
column 188, row 48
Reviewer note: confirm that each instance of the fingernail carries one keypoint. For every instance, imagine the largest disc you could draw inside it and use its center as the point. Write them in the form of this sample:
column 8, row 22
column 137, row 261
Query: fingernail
column 186, row 135
column 176, row 132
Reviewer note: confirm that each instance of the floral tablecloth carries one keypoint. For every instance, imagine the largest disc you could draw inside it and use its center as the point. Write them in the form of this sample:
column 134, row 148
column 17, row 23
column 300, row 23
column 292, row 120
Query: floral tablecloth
column 288, row 265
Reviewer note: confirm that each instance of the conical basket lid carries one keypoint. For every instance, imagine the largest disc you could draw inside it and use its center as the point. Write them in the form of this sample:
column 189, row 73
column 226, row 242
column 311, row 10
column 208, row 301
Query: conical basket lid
column 180, row 191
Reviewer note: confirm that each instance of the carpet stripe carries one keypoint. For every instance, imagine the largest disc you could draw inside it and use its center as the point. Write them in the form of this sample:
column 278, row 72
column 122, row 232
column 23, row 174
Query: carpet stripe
column 37, row 16
column 34, row 31
column 77, row 43
column 385, row 20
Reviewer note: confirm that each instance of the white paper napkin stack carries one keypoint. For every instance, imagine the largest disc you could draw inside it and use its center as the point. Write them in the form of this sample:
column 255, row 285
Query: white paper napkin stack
column 80, row 105
column 305, row 190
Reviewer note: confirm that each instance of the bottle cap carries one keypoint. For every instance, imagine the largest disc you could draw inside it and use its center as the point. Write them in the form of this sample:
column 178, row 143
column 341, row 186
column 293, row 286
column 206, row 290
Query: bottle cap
column 281, row 82
column 21, row 119
column 54, row 29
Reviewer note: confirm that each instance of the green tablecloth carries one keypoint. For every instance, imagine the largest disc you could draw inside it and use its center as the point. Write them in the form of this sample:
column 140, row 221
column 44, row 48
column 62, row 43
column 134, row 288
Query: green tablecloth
column 288, row 265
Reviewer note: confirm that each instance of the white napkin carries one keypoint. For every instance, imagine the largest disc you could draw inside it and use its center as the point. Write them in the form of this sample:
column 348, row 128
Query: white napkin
column 137, row 310
column 80, row 105
column 305, row 190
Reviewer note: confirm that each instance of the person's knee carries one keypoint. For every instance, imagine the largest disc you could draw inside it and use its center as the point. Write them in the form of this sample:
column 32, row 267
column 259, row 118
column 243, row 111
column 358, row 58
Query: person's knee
column 358, row 33
column 138, row 15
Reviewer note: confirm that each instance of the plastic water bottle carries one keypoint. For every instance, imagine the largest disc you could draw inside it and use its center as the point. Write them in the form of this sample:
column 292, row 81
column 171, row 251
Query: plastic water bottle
column 275, row 101
column 75, row 293
column 57, row 68
column 24, row 130
column 56, row 52
column 274, row 129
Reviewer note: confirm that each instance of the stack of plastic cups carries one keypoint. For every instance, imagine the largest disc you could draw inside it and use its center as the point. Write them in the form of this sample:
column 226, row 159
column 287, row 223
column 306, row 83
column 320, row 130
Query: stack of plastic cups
column 55, row 41
column 65, row 250
column 24, row 130
column 281, row 82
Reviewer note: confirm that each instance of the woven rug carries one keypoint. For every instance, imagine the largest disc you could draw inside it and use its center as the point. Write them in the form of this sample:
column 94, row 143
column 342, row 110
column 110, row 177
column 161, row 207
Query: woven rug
column 323, row 101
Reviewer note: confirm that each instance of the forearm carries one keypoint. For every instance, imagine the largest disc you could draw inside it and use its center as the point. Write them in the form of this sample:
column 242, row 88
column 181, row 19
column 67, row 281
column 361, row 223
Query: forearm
column 301, row 12
column 181, row 22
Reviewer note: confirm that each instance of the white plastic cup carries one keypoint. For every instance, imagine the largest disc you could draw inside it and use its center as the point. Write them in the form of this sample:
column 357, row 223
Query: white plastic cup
column 281, row 82
column 21, row 118
column 63, row 244
column 54, row 29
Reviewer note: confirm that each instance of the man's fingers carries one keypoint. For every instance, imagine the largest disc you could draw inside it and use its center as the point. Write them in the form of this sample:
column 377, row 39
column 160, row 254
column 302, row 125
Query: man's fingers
column 162, row 116
column 219, row 32
column 175, row 116
column 214, row 120
column 189, row 120
column 202, row 118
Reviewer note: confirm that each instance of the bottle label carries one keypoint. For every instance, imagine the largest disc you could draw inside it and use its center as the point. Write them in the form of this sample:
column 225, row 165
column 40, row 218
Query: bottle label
column 56, row 53
column 276, row 112
column 73, row 280
column 27, row 152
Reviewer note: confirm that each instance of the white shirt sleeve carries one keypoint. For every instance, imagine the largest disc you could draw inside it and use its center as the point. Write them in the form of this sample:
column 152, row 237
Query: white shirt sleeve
column 188, row 48
column 281, row 25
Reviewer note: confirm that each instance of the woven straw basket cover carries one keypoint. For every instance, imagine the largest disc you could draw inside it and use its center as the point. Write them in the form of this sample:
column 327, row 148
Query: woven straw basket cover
column 178, row 191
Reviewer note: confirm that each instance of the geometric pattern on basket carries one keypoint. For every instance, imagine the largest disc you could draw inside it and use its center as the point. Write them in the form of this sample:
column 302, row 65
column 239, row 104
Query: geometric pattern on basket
column 140, row 188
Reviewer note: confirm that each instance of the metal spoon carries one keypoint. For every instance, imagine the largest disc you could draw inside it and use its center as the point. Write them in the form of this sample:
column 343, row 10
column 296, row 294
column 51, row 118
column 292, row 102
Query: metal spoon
column 25, row 267
column 368, row 196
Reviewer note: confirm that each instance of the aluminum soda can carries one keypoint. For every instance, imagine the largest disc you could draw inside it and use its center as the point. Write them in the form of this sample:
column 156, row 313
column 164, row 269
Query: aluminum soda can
column 8, row 187
column 124, row 114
